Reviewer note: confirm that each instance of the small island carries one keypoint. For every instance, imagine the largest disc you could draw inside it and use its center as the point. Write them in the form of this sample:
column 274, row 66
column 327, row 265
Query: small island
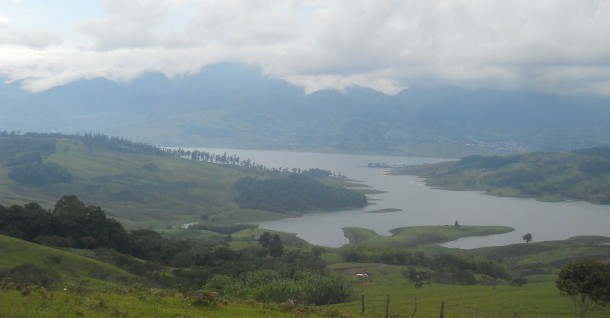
column 383, row 165
column 386, row 210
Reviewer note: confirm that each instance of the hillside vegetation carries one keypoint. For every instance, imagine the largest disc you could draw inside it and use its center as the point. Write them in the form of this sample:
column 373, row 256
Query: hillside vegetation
column 59, row 267
column 140, row 184
column 582, row 175
column 147, row 275
column 40, row 281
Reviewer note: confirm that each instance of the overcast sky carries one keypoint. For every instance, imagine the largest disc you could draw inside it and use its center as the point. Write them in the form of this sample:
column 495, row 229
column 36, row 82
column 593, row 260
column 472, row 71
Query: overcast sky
column 387, row 45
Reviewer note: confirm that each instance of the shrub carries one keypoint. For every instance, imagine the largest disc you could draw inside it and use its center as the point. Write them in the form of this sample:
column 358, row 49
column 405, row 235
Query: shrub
column 40, row 174
column 28, row 274
column 203, row 298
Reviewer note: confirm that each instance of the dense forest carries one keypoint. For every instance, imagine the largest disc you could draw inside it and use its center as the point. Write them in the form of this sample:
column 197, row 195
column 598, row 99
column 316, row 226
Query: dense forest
column 294, row 193
column 578, row 175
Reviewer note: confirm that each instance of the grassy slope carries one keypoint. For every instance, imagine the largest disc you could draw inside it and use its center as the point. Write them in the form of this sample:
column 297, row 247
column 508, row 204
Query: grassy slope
column 101, row 297
column 540, row 300
column 180, row 191
column 531, row 300
column 148, row 303
column 545, row 176
column 419, row 235
column 71, row 267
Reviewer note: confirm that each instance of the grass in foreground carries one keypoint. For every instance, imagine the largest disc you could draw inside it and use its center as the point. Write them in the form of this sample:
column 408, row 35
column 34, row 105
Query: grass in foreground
column 132, row 303
column 540, row 300
column 71, row 267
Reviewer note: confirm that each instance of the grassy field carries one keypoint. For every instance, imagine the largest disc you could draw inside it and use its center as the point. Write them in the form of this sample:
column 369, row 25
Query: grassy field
column 96, row 289
column 536, row 300
column 146, row 303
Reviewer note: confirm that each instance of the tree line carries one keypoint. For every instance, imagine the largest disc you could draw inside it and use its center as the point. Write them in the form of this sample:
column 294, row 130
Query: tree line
column 124, row 145
column 25, row 153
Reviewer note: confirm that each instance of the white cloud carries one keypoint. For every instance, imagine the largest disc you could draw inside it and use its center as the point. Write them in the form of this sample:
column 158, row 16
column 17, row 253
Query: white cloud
column 30, row 39
column 549, row 45
column 35, row 39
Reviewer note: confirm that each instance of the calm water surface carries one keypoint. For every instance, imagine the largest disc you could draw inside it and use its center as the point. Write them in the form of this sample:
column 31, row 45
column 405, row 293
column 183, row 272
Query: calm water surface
column 422, row 205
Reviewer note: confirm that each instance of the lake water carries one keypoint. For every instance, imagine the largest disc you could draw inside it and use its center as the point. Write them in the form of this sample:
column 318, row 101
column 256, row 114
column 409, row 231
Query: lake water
column 422, row 205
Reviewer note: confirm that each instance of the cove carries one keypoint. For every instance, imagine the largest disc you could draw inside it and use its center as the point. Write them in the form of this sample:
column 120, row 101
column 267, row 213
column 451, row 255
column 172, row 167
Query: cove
column 422, row 205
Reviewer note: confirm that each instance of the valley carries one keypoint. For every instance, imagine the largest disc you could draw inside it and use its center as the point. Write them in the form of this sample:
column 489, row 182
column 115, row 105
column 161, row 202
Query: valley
column 210, row 267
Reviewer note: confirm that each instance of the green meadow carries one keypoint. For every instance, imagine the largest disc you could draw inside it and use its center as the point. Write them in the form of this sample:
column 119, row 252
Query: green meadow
column 536, row 300
column 71, row 268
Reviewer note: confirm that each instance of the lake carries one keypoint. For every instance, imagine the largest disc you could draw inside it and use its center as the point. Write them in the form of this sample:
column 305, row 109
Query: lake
column 422, row 205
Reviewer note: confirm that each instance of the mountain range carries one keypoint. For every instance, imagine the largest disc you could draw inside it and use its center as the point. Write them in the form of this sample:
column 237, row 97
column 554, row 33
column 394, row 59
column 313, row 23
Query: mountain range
column 236, row 106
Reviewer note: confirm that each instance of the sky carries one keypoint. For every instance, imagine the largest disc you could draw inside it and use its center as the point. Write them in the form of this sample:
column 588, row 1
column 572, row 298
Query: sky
column 559, row 46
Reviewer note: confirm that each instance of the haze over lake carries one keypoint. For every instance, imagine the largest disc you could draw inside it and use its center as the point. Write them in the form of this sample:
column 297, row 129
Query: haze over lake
column 422, row 205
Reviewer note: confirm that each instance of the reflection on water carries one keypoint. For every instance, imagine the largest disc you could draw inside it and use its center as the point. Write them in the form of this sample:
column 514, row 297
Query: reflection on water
column 422, row 205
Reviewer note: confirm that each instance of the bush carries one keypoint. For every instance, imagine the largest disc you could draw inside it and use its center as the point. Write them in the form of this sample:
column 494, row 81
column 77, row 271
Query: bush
column 326, row 289
column 40, row 174
column 28, row 274
column 203, row 298
column 271, row 286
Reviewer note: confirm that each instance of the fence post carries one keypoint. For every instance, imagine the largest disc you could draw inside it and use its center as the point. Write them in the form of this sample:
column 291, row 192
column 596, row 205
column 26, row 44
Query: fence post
column 362, row 306
column 414, row 308
column 387, row 305
column 442, row 309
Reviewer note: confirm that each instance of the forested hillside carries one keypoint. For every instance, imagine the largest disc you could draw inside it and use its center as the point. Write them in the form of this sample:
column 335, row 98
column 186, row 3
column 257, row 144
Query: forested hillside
column 146, row 185
column 582, row 175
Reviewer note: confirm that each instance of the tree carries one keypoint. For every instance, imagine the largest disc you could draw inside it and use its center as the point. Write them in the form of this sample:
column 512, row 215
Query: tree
column 276, row 249
column 587, row 282
column 265, row 239
column 527, row 237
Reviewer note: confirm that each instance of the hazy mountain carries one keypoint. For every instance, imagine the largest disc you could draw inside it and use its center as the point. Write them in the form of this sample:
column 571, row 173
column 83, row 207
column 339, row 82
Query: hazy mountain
column 232, row 105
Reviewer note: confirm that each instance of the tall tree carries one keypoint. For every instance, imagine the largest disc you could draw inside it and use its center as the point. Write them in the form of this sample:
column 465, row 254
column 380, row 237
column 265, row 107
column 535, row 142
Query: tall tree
column 527, row 237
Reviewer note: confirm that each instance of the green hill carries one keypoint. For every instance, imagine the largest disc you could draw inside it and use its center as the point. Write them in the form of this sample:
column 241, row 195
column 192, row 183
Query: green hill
column 582, row 175
column 65, row 267
column 136, row 183
column 39, row 281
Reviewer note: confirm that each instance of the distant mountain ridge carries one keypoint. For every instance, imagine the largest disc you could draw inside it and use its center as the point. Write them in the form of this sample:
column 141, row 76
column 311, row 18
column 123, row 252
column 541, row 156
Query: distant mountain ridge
column 232, row 105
